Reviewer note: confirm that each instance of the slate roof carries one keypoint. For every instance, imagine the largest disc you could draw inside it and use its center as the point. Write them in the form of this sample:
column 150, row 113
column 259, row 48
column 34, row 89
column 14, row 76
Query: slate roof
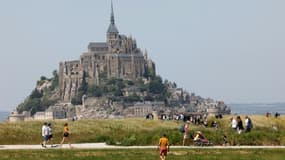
column 97, row 45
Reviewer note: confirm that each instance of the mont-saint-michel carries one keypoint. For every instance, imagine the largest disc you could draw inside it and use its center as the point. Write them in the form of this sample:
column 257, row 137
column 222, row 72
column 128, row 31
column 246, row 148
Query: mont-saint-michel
column 112, row 79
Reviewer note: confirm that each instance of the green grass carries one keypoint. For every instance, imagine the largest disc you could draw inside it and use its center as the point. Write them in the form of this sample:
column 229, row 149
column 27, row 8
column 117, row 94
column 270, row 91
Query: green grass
column 144, row 154
column 143, row 132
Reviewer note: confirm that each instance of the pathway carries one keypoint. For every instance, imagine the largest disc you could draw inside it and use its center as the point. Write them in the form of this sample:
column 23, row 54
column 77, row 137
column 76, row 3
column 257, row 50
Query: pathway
column 105, row 146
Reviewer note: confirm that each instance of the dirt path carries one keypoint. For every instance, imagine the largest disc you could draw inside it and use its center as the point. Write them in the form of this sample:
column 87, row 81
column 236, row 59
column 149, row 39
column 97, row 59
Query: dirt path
column 104, row 146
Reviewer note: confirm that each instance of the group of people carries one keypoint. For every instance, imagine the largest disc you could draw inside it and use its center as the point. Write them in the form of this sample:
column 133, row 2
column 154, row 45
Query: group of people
column 276, row 115
column 237, row 124
column 164, row 143
column 197, row 137
column 48, row 135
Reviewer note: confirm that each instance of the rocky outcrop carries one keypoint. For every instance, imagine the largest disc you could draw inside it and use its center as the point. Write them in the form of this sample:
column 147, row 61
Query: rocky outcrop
column 99, row 108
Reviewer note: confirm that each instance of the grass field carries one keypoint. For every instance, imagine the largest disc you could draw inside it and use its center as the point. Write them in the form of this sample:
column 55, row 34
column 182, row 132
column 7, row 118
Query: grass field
column 144, row 154
column 266, row 131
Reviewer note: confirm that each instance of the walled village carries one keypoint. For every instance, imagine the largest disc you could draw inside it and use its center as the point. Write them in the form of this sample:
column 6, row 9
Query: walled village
column 112, row 79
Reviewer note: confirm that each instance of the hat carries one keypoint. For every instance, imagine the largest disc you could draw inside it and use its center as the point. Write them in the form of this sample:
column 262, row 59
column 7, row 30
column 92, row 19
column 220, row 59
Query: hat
column 187, row 121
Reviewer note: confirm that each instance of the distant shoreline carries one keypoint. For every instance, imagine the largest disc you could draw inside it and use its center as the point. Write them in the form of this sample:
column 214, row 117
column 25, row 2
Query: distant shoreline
column 4, row 115
column 257, row 108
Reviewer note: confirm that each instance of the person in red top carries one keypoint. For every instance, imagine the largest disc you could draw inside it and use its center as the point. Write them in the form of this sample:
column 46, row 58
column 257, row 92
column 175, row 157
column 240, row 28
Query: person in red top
column 163, row 147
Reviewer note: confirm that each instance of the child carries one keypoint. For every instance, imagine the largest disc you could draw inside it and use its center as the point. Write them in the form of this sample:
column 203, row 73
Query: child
column 163, row 147
column 225, row 140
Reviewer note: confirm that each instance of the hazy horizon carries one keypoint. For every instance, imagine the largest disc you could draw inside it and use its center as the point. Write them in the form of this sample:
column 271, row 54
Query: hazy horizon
column 225, row 50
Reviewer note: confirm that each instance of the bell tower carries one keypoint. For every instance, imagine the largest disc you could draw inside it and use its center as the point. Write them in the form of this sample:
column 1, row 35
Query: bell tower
column 112, row 32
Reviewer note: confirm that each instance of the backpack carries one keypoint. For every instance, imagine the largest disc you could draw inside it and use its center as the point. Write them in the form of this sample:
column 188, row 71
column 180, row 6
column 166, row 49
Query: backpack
column 182, row 128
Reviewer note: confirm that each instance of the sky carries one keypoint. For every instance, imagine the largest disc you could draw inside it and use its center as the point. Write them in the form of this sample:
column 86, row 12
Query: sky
column 223, row 49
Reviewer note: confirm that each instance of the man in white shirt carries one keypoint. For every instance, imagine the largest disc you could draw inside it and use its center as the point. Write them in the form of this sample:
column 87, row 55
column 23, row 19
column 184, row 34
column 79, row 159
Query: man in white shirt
column 233, row 123
column 45, row 134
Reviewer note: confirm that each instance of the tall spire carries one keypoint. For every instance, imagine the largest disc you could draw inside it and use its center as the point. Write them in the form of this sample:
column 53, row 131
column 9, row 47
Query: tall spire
column 112, row 27
column 112, row 14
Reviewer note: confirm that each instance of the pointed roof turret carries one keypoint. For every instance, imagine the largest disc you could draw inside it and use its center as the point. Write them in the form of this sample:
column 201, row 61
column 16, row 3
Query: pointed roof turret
column 112, row 27
column 112, row 14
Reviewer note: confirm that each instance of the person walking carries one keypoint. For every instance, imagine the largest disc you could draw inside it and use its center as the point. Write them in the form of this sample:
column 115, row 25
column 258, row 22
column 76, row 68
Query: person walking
column 239, row 125
column 248, row 124
column 233, row 123
column 50, row 136
column 186, row 136
column 66, row 135
column 163, row 146
column 45, row 134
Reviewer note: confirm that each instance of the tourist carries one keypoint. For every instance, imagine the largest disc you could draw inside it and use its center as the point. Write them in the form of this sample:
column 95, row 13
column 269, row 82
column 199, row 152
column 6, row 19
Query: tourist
column 45, row 134
column 214, row 124
column 225, row 140
column 248, row 124
column 163, row 147
column 234, row 123
column 205, row 122
column 267, row 114
column 65, row 135
column 186, row 133
column 277, row 115
column 50, row 136
column 199, row 137
column 239, row 125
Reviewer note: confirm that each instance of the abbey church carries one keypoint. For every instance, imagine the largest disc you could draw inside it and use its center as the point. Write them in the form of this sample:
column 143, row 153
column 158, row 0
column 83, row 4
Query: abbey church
column 118, row 57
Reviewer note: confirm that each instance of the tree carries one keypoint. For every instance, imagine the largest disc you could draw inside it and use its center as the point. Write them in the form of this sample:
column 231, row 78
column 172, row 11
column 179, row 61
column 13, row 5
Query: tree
column 156, row 86
column 55, row 80
column 76, row 100
column 30, row 104
column 94, row 90
column 43, row 78
column 36, row 94
column 132, row 98
column 130, row 83
column 148, row 98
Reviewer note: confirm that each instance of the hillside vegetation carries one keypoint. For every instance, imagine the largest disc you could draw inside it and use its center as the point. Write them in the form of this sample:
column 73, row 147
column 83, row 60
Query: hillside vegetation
column 46, row 92
column 266, row 131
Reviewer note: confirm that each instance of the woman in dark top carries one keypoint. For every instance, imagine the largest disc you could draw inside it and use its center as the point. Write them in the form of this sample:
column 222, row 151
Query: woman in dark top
column 239, row 125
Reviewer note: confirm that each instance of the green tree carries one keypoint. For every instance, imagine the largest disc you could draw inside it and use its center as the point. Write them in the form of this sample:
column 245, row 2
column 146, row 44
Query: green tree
column 36, row 94
column 43, row 78
column 55, row 80
column 132, row 98
column 30, row 104
column 94, row 90
column 130, row 83
column 46, row 102
column 156, row 86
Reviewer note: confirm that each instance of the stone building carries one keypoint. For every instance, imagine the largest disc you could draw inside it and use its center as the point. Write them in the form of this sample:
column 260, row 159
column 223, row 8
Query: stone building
column 118, row 57
column 15, row 117
column 43, row 116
